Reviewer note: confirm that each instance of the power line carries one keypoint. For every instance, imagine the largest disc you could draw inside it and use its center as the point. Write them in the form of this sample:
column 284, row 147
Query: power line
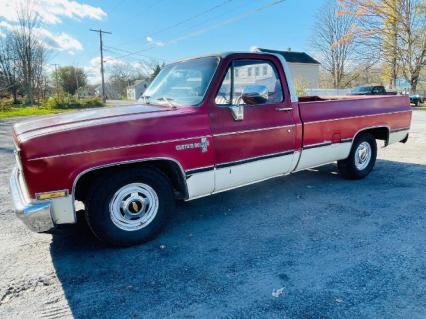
column 192, row 17
column 179, row 23
column 209, row 28
column 102, row 59
column 118, row 50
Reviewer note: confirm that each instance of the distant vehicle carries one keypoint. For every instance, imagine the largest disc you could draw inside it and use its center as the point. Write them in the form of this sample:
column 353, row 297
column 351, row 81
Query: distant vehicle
column 371, row 90
column 416, row 99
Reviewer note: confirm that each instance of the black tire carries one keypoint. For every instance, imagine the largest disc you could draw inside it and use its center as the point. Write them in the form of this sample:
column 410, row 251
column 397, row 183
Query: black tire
column 102, row 192
column 348, row 169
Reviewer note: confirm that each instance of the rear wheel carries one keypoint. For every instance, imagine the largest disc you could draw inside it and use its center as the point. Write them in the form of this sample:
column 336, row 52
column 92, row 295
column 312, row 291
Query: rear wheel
column 361, row 159
column 129, row 207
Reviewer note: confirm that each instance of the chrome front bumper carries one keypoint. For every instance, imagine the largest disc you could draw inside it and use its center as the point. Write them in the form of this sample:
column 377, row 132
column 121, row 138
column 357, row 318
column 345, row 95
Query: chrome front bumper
column 35, row 214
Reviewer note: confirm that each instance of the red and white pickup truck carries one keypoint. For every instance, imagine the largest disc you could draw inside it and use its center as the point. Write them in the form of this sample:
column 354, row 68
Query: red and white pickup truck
column 204, row 125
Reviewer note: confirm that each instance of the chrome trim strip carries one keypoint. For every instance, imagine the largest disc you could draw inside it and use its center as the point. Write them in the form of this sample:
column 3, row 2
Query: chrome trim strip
column 353, row 117
column 370, row 127
column 400, row 129
column 252, row 159
column 321, row 144
column 76, row 179
column 120, row 147
column 253, row 130
column 203, row 169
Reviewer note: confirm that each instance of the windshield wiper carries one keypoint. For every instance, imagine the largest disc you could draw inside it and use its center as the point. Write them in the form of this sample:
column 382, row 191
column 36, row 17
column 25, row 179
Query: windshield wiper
column 168, row 100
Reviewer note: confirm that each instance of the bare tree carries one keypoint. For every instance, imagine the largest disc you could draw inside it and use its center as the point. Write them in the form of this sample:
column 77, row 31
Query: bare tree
column 9, row 67
column 121, row 76
column 395, row 29
column 30, row 51
column 412, row 40
column 329, row 28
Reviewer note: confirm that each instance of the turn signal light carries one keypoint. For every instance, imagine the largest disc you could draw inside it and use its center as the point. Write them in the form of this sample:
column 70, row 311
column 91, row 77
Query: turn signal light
column 50, row 195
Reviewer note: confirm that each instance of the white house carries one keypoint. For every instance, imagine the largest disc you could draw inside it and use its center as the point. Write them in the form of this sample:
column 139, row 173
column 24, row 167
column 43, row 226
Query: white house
column 135, row 91
column 304, row 68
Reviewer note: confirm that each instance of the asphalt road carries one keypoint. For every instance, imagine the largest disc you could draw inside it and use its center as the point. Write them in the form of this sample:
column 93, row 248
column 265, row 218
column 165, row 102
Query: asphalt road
column 309, row 245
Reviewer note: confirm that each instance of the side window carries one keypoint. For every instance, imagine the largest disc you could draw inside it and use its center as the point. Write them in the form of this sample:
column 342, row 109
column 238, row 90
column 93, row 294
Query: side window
column 223, row 97
column 249, row 72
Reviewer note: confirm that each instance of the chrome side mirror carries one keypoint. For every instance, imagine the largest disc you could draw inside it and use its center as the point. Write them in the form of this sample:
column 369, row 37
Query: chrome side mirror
column 255, row 94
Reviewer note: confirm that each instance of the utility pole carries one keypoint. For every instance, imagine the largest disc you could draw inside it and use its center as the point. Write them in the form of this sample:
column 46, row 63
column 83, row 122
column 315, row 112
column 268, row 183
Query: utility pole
column 102, row 59
column 56, row 78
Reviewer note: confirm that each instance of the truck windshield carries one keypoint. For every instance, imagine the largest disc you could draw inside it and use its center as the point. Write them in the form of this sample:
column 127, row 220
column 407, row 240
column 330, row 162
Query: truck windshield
column 362, row 89
column 182, row 83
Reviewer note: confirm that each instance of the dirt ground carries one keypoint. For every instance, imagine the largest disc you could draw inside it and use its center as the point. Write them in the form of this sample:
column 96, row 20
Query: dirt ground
column 309, row 245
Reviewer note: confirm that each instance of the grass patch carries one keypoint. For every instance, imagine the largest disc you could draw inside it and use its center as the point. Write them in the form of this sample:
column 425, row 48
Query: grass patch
column 51, row 105
column 31, row 110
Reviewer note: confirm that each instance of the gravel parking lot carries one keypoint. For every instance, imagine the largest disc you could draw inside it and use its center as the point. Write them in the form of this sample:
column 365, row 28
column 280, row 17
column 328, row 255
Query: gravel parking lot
column 309, row 245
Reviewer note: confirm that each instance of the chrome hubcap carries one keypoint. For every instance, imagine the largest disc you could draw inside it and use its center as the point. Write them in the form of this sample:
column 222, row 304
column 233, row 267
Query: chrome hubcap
column 362, row 155
column 133, row 206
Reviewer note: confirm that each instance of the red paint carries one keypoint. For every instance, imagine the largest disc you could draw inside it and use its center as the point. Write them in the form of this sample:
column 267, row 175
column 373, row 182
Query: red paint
column 56, row 149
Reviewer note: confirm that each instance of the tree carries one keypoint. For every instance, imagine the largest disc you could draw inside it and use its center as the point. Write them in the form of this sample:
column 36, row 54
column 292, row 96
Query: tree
column 71, row 79
column 9, row 66
column 30, row 51
column 121, row 76
column 412, row 41
column 328, row 30
column 395, row 29
column 156, row 69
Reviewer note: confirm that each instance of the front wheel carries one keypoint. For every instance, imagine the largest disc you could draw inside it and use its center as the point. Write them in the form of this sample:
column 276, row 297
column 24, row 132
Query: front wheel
column 361, row 159
column 129, row 207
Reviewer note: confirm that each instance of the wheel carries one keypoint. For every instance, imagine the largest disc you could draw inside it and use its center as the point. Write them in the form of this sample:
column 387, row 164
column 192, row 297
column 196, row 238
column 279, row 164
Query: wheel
column 129, row 207
column 361, row 159
column 416, row 103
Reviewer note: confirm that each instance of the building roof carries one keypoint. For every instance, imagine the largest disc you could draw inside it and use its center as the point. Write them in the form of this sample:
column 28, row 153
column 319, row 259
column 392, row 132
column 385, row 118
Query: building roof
column 293, row 57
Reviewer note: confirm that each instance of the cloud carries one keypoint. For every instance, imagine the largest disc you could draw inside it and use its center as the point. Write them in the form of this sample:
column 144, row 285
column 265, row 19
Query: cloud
column 157, row 43
column 51, row 11
column 58, row 41
column 6, row 25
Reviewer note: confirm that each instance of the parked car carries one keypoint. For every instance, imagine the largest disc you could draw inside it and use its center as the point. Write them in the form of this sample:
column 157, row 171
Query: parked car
column 416, row 99
column 207, row 125
column 371, row 90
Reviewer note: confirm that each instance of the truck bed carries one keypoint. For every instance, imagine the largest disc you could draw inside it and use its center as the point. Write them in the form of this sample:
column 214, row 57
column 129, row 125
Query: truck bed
column 330, row 124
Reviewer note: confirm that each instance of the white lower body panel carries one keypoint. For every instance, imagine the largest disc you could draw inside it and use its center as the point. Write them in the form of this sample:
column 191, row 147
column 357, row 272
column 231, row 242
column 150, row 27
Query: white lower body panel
column 235, row 175
column 321, row 155
column 247, row 173
column 395, row 137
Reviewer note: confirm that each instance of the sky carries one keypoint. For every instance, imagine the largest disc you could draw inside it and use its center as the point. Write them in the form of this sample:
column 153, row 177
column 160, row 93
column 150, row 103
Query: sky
column 146, row 31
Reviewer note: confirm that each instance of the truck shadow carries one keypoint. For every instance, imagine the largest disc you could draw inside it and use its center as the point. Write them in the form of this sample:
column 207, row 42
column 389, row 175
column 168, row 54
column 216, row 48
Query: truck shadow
column 223, row 255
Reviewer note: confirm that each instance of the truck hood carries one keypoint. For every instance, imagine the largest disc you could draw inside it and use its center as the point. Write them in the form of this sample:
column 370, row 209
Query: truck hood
column 64, row 121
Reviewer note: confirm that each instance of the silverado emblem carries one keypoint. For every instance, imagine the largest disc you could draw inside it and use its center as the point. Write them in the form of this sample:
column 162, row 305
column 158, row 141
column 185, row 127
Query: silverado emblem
column 203, row 145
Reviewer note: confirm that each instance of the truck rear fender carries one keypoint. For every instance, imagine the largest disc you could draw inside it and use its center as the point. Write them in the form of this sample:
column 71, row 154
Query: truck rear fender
column 168, row 166
column 379, row 133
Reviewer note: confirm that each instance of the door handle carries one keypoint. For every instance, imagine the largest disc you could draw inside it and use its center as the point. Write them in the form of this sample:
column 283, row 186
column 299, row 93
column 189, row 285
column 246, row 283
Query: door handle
column 284, row 109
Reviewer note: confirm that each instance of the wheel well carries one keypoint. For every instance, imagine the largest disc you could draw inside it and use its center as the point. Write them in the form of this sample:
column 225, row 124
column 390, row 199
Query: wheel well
column 379, row 133
column 170, row 168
